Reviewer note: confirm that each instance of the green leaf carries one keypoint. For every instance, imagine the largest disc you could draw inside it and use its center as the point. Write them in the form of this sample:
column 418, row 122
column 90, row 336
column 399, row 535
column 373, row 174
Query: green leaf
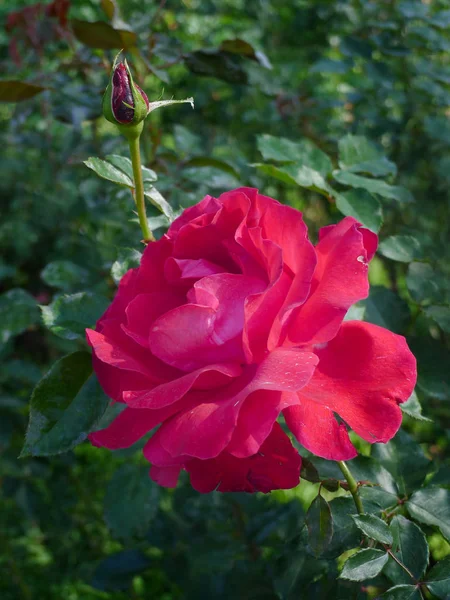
column 18, row 311
column 402, row 592
column 303, row 152
column 441, row 477
column 410, row 547
column 328, row 65
column 355, row 312
column 64, row 275
column 131, row 502
column 128, row 258
column 413, row 409
column 385, row 308
column 375, row 499
column 68, row 316
column 365, row 564
column 309, row 178
column 238, row 46
column 124, row 164
column 116, row 572
column 205, row 161
column 383, row 189
column 374, row 528
column 432, row 507
column 345, row 532
column 358, row 155
column 99, row 34
column 159, row 201
column 186, row 141
column 277, row 172
column 108, row 171
column 216, row 63
column 402, row 248
column 161, row 221
column 441, row 316
column 65, row 406
column 362, row 206
column 309, row 471
column 16, row 91
column 433, row 358
column 438, row 579
column 319, row 524
column 440, row 19
column 294, row 570
column 404, row 459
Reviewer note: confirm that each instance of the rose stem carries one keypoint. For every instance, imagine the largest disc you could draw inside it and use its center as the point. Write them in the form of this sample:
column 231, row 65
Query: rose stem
column 352, row 485
column 135, row 153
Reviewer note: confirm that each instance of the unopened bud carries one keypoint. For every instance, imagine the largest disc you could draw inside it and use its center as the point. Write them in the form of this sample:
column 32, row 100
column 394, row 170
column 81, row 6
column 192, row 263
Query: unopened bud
column 124, row 103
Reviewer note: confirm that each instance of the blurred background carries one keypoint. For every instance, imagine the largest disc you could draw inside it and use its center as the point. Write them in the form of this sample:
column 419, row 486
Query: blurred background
column 361, row 90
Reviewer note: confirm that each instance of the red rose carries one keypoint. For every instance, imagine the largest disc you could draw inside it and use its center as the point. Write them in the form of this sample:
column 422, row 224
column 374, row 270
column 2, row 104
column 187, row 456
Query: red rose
column 232, row 318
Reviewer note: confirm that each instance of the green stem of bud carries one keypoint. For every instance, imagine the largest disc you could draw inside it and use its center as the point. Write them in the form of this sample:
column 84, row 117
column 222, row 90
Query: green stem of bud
column 139, row 198
column 352, row 486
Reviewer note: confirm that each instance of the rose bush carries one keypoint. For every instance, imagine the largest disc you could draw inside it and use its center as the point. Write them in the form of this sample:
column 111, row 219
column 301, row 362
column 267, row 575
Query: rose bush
column 232, row 318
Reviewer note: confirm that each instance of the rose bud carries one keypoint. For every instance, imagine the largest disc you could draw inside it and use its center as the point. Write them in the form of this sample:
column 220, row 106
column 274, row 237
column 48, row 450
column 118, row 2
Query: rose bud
column 124, row 103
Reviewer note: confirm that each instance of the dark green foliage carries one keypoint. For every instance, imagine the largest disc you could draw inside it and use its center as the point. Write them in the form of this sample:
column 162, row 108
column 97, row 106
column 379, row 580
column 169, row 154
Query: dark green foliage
column 335, row 108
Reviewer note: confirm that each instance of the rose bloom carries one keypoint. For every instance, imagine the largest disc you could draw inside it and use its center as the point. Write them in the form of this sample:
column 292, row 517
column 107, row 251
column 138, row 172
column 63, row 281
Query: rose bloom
column 232, row 318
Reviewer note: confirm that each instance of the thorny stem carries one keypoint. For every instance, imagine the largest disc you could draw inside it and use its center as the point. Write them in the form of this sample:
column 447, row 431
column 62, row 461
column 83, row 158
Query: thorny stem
column 139, row 188
column 352, row 486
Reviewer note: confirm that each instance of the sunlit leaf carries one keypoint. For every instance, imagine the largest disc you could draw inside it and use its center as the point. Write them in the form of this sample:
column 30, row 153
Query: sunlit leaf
column 374, row 528
column 374, row 186
column 365, row 564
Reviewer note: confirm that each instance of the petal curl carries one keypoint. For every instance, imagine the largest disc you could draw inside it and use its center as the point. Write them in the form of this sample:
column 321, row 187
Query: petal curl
column 127, row 428
column 113, row 347
column 316, row 428
column 362, row 375
column 209, row 377
column 340, row 279
column 255, row 421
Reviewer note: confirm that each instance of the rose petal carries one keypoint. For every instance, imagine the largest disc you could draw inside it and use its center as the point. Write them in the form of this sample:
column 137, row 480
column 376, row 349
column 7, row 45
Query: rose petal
column 179, row 271
column 316, row 428
column 185, row 338
column 370, row 239
column 207, row 206
column 165, row 476
column 205, row 429
column 275, row 466
column 363, row 373
column 226, row 293
column 197, row 240
column 115, row 381
column 128, row 427
column 116, row 349
column 124, row 295
column 285, row 227
column 146, row 308
column 151, row 270
column 340, row 280
column 162, row 395
column 256, row 418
